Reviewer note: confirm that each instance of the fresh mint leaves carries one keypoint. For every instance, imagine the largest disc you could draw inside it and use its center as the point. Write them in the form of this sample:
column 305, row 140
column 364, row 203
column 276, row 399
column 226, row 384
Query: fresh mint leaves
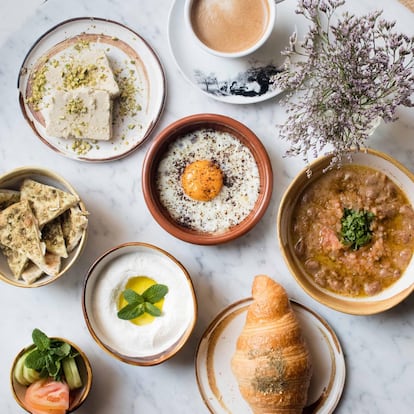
column 46, row 358
column 356, row 228
column 139, row 304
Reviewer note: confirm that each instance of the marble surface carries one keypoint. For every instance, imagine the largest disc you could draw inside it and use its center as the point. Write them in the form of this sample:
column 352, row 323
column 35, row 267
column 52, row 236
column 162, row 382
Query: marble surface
column 379, row 349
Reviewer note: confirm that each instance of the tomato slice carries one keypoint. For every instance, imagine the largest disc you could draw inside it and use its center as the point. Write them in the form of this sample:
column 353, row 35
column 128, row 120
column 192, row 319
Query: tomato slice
column 47, row 396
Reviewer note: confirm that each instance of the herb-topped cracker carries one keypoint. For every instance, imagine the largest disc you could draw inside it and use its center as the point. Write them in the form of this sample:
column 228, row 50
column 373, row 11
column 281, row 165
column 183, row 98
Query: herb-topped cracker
column 74, row 222
column 19, row 230
column 52, row 235
column 8, row 197
column 47, row 202
column 16, row 260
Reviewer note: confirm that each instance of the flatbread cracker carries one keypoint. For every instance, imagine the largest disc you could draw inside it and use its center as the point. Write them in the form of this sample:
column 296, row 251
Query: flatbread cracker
column 52, row 235
column 74, row 222
column 46, row 201
column 19, row 230
column 16, row 260
column 33, row 272
column 8, row 197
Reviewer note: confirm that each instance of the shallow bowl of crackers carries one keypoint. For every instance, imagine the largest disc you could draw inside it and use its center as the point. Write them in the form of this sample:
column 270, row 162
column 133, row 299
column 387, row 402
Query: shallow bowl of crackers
column 43, row 226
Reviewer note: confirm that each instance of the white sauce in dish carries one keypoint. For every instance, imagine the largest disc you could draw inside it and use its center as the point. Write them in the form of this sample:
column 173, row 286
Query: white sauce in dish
column 241, row 185
column 125, row 337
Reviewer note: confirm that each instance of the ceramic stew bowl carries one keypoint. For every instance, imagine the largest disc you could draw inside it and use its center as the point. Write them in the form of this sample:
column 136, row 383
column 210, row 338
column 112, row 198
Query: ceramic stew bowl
column 216, row 124
column 363, row 304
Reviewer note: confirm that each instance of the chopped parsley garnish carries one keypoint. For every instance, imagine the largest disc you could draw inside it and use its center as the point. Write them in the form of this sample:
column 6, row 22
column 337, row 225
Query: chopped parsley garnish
column 356, row 228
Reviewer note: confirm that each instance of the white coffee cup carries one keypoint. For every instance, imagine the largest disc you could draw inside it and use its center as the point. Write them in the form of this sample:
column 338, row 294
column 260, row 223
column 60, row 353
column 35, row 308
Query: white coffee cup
column 223, row 27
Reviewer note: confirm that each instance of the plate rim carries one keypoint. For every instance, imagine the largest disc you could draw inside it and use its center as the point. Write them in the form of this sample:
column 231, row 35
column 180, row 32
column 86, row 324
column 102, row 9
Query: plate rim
column 240, row 101
column 237, row 305
column 152, row 124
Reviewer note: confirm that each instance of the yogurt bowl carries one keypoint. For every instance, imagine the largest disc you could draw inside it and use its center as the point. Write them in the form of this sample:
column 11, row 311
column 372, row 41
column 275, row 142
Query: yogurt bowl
column 155, row 335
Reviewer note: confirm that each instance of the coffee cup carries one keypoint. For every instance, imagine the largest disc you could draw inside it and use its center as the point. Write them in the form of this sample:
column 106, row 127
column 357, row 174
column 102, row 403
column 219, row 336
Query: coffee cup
column 230, row 28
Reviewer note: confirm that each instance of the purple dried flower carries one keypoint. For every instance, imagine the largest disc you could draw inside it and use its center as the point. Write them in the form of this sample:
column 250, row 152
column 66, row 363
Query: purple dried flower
column 342, row 78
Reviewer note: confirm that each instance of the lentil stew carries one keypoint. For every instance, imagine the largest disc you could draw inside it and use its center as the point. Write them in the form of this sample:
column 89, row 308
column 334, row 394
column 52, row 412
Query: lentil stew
column 317, row 225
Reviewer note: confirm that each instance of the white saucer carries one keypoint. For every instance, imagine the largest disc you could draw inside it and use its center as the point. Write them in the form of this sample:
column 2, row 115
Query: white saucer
column 218, row 387
column 127, row 53
column 243, row 80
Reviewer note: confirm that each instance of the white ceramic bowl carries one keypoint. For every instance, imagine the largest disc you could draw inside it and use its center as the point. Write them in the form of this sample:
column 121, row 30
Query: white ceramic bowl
column 148, row 344
column 382, row 301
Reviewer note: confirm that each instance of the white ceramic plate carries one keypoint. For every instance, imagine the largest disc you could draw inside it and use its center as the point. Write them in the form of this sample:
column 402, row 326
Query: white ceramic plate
column 243, row 80
column 129, row 56
column 218, row 386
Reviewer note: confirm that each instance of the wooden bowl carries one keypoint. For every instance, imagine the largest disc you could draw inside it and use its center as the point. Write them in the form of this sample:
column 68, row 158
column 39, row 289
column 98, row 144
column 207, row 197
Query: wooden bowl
column 77, row 397
column 364, row 305
column 176, row 131
column 149, row 344
column 12, row 180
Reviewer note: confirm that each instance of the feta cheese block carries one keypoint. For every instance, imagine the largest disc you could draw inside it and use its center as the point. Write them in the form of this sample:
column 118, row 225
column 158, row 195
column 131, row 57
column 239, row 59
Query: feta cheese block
column 81, row 113
column 84, row 68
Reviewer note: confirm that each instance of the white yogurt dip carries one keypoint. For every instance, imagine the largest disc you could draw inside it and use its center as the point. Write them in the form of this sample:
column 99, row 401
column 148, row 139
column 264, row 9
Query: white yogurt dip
column 108, row 282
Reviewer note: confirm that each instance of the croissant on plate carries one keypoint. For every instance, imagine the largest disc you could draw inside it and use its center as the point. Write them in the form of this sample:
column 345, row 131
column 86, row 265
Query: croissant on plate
column 272, row 363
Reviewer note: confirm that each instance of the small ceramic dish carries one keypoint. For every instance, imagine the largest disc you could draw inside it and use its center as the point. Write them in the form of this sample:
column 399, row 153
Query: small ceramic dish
column 12, row 180
column 77, row 396
column 402, row 283
column 147, row 340
column 246, row 174
column 218, row 386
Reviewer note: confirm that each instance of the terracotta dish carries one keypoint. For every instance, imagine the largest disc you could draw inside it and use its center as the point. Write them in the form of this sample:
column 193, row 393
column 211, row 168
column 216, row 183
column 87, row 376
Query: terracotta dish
column 222, row 126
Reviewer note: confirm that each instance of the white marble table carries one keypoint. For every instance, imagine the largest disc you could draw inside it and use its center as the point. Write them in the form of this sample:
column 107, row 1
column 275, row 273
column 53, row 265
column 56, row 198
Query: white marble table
column 379, row 349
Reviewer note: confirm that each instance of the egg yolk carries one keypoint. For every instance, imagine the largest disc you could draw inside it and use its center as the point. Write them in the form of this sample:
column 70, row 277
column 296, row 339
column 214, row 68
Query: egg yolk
column 202, row 180
column 140, row 284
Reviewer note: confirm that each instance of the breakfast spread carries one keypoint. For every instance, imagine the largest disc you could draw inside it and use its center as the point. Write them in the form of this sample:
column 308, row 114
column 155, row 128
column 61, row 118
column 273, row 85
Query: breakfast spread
column 353, row 231
column 39, row 226
column 208, row 180
column 272, row 363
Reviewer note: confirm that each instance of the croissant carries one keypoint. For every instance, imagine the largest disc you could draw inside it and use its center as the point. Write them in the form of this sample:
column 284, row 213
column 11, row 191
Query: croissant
column 272, row 363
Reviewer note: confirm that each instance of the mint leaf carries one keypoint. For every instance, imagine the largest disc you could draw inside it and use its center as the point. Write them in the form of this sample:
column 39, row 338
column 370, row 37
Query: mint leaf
column 47, row 355
column 152, row 310
column 132, row 297
column 40, row 339
column 138, row 304
column 62, row 350
column 52, row 366
column 35, row 360
column 131, row 311
column 155, row 293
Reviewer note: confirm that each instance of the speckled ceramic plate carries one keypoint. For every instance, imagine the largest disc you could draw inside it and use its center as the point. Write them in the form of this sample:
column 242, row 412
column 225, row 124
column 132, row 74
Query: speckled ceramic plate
column 136, row 67
column 218, row 386
column 243, row 80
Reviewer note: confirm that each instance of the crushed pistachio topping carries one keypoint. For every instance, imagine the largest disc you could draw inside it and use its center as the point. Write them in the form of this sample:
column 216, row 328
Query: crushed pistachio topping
column 81, row 147
column 82, row 44
column 75, row 76
column 38, row 88
column 76, row 106
column 128, row 105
